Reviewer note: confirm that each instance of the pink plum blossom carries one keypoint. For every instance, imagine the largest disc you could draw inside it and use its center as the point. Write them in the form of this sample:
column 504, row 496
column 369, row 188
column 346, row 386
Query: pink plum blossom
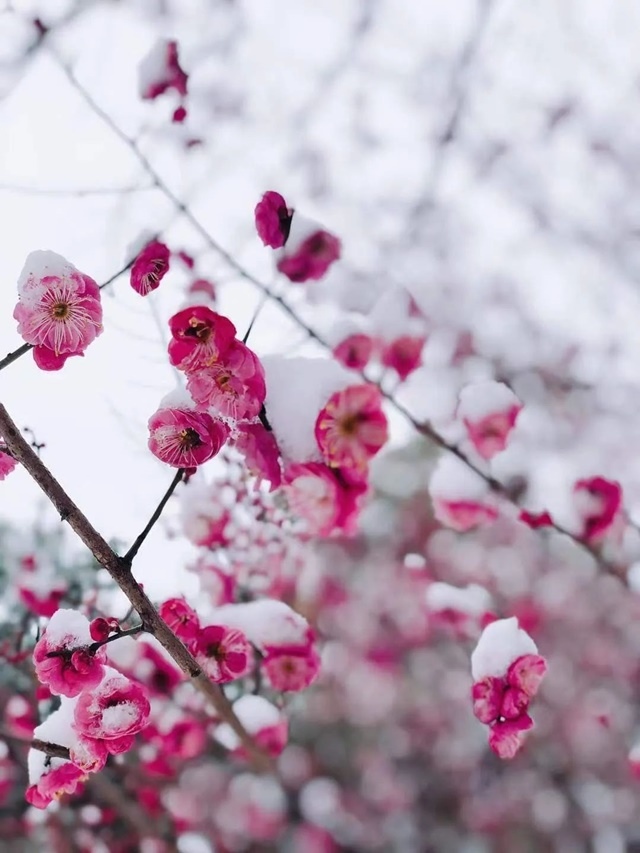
column 261, row 453
column 599, row 503
column 116, row 709
column 352, row 428
column 89, row 754
column 403, row 354
column 507, row 736
column 354, row 351
column 62, row 777
column 199, row 338
column 7, row 462
column 150, row 267
column 234, row 386
column 62, row 658
column 292, row 668
column 309, row 252
column 182, row 619
column 322, row 498
column 223, row 653
column 59, row 311
column 489, row 411
column 185, row 438
column 273, row 219
column 507, row 674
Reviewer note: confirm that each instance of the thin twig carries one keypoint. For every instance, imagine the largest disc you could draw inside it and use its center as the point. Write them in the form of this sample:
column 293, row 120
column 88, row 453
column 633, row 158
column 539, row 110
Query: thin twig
column 131, row 553
column 121, row 573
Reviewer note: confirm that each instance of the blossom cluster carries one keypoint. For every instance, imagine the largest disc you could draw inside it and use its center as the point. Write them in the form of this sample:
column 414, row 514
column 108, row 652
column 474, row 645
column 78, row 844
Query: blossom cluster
column 100, row 712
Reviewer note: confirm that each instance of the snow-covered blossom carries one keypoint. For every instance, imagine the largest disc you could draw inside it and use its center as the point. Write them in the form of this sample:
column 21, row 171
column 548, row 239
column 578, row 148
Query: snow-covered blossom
column 224, row 653
column 115, row 710
column 59, row 311
column 199, row 337
column 185, row 438
column 309, row 251
column 150, row 267
column 599, row 502
column 489, row 411
column 269, row 624
column 461, row 498
column 50, row 778
column 507, row 672
column 297, row 389
column 273, row 219
column 160, row 71
column 61, row 656
column 352, row 428
column 462, row 608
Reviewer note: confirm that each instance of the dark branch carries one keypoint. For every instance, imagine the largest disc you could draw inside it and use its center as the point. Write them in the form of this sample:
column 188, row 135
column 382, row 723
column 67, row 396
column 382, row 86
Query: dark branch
column 131, row 553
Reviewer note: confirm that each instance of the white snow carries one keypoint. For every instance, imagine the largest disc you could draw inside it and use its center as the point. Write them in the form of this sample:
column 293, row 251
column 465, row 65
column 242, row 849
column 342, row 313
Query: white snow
column 297, row 390
column 480, row 399
column 153, row 68
column 266, row 622
column 68, row 628
column 453, row 480
column 39, row 264
column 301, row 228
column 472, row 599
column 57, row 728
column 499, row 645
column 255, row 713
column 118, row 717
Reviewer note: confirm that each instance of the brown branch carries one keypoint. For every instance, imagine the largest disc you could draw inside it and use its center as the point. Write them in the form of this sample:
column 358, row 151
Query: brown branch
column 120, row 571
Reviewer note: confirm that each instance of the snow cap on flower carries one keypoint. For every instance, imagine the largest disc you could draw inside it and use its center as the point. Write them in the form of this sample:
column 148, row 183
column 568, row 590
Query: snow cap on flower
column 297, row 389
column 500, row 644
column 116, row 708
column 50, row 777
column 267, row 622
column 489, row 411
column 61, row 658
column 160, row 71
